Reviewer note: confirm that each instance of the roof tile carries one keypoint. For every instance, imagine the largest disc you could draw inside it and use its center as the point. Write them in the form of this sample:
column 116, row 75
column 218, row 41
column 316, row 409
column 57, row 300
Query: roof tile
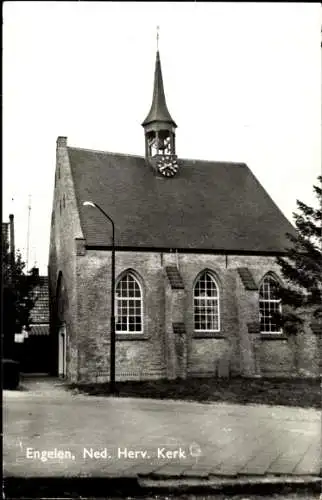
column 212, row 206
column 39, row 330
column 247, row 278
column 40, row 311
column 174, row 277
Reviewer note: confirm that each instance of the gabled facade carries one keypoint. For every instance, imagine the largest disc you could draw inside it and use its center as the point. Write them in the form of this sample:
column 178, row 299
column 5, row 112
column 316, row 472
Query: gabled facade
column 195, row 246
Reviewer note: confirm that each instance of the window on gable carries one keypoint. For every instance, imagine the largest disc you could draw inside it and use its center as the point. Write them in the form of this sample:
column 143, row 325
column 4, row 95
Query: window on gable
column 129, row 305
column 269, row 305
column 206, row 304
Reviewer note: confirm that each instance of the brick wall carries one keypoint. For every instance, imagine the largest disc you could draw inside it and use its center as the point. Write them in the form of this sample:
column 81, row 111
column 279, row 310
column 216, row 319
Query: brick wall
column 139, row 356
column 149, row 355
column 206, row 355
column 247, row 304
column 276, row 357
column 158, row 352
column 308, row 347
column 65, row 227
column 175, row 342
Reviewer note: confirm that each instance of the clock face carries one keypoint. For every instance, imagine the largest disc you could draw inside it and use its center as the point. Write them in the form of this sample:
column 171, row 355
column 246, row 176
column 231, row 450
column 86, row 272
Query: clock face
column 168, row 166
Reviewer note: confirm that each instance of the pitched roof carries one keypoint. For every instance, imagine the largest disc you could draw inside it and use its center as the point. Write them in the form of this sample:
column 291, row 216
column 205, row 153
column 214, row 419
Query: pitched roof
column 38, row 330
column 40, row 311
column 207, row 206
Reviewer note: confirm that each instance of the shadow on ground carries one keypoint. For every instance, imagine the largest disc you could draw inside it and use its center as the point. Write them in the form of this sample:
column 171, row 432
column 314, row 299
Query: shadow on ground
column 305, row 393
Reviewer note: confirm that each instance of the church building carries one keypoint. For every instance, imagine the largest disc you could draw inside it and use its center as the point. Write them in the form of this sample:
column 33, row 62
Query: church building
column 195, row 245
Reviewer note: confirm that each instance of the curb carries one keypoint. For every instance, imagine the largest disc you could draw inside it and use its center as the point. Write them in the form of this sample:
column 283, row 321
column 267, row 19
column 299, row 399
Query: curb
column 104, row 487
column 242, row 485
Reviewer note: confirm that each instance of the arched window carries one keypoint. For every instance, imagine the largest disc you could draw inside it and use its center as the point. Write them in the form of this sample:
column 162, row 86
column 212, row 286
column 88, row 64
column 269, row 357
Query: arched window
column 129, row 305
column 269, row 305
column 206, row 304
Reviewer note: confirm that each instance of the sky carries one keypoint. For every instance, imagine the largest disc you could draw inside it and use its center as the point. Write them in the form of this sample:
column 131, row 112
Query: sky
column 242, row 82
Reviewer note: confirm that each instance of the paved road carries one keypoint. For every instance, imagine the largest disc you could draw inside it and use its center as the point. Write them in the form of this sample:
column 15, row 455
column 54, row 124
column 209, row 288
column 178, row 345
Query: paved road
column 95, row 436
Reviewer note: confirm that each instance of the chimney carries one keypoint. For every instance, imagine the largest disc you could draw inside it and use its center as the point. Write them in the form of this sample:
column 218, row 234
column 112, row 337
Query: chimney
column 61, row 142
column 12, row 240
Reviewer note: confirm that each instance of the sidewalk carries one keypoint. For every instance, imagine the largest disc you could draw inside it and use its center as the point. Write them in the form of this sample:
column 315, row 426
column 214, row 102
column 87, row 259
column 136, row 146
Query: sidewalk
column 49, row 432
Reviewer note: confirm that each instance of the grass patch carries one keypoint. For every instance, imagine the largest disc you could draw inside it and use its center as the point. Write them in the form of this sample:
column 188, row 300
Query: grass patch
column 305, row 393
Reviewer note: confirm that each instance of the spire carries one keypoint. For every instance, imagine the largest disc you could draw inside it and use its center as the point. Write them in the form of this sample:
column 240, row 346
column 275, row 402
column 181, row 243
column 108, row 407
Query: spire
column 159, row 111
column 158, row 27
column 159, row 128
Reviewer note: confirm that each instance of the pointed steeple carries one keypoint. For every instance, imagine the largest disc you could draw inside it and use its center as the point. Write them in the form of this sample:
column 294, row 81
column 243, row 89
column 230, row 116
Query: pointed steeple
column 159, row 129
column 159, row 111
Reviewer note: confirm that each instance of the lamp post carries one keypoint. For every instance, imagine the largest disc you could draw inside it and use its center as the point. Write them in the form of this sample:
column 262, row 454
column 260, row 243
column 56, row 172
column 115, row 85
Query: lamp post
column 112, row 345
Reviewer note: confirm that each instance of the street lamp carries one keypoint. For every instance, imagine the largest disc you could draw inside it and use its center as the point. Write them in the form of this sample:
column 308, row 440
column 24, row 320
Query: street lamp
column 112, row 345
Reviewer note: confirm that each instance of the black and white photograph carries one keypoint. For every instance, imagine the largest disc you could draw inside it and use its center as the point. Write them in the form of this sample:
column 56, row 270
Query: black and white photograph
column 162, row 250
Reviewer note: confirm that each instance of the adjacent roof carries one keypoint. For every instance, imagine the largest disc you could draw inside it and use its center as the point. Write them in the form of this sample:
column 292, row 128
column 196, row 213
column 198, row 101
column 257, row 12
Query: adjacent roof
column 159, row 110
column 38, row 330
column 207, row 206
column 40, row 311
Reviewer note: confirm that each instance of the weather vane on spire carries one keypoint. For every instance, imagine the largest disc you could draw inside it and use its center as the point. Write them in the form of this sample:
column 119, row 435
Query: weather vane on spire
column 158, row 27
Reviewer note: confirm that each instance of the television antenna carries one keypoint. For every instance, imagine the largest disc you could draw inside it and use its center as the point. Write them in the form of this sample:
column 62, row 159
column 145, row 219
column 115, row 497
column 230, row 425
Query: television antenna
column 28, row 231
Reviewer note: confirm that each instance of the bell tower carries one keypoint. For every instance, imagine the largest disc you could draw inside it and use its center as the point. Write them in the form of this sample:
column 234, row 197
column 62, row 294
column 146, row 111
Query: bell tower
column 159, row 128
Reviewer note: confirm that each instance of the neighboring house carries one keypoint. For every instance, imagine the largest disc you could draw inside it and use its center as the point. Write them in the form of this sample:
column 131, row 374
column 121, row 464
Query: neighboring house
column 32, row 348
column 8, row 237
column 8, row 261
column 36, row 349
column 196, row 276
